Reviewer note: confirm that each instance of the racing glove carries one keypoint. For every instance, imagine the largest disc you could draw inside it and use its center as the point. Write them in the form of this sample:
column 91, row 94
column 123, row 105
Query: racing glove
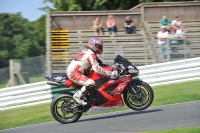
column 114, row 74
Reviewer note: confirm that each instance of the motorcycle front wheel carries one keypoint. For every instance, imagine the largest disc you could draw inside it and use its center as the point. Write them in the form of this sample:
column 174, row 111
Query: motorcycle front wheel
column 64, row 109
column 142, row 100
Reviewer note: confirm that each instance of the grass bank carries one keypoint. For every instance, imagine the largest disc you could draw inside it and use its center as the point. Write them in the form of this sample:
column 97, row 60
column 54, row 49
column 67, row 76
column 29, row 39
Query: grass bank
column 167, row 94
column 178, row 130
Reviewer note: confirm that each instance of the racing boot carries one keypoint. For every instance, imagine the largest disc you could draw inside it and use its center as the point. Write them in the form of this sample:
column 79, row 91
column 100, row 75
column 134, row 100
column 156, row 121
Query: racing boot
column 77, row 96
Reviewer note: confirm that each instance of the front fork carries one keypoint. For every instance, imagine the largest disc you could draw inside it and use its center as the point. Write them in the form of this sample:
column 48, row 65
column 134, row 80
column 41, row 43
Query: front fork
column 132, row 87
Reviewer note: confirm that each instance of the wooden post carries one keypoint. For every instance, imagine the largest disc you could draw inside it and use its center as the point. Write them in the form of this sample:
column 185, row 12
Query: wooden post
column 145, row 52
column 14, row 71
column 142, row 14
column 20, row 77
column 11, row 73
column 74, row 22
column 185, row 48
column 48, row 42
column 168, row 50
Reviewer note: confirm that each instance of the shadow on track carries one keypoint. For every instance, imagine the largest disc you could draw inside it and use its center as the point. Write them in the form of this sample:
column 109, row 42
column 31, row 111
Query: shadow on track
column 120, row 115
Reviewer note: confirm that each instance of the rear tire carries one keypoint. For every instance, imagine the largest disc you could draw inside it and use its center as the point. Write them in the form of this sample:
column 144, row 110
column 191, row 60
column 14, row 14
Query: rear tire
column 61, row 109
column 145, row 93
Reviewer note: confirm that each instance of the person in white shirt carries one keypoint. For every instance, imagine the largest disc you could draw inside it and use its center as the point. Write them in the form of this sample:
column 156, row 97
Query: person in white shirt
column 162, row 36
column 176, row 23
column 181, row 33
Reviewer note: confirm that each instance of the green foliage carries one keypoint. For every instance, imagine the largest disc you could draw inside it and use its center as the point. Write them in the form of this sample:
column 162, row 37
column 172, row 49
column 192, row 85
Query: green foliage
column 88, row 5
column 144, row 1
column 19, row 38
column 178, row 130
column 147, row 0
column 66, row 5
column 40, row 24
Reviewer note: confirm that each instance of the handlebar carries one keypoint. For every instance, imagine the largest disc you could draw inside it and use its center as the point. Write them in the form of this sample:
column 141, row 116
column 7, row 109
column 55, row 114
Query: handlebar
column 124, row 70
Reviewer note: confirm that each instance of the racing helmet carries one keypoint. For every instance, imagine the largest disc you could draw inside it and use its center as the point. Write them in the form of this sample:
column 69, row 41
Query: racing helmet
column 96, row 45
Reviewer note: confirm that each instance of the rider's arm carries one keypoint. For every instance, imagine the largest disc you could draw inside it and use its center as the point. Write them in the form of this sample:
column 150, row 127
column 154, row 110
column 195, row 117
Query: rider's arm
column 92, row 59
column 100, row 61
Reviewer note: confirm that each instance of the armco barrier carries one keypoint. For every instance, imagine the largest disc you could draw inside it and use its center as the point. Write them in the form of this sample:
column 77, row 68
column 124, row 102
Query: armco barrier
column 157, row 74
column 27, row 95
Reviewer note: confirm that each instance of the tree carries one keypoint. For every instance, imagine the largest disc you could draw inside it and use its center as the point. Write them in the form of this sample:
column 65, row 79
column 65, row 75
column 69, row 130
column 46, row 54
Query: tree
column 88, row 5
column 19, row 38
column 41, row 27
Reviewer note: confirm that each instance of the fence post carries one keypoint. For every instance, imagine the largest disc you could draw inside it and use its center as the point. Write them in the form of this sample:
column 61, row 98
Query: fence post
column 168, row 50
column 145, row 52
column 185, row 52
column 48, row 42
column 11, row 73
column 149, row 41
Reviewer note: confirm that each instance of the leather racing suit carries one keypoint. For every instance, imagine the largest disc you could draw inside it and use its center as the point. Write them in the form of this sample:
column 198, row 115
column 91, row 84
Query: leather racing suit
column 82, row 64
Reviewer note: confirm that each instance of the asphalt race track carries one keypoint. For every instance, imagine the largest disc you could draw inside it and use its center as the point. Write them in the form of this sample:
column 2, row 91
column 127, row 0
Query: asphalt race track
column 154, row 118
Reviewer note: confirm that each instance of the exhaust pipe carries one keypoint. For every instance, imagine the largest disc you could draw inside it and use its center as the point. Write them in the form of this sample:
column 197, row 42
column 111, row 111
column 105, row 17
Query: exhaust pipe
column 53, row 83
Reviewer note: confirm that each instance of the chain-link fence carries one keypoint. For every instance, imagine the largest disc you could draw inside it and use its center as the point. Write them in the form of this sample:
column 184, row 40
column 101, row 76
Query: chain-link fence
column 4, row 76
column 176, row 49
column 31, row 69
column 33, row 66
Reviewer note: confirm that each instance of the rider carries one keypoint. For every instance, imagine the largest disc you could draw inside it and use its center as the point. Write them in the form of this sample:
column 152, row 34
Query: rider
column 82, row 64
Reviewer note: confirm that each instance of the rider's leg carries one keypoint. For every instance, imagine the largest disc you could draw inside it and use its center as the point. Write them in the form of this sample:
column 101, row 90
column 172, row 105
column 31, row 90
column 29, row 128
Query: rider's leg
column 77, row 96
column 78, row 78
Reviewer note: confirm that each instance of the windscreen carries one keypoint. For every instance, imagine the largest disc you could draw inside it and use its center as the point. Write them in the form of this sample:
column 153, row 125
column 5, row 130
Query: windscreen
column 121, row 60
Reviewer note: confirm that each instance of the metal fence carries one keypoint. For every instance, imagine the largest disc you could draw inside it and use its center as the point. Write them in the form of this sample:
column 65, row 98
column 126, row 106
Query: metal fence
column 34, row 65
column 32, row 70
column 4, row 75
column 169, row 51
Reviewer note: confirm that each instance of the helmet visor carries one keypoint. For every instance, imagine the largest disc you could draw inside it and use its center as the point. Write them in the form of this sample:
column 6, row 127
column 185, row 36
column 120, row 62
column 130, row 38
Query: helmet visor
column 99, row 47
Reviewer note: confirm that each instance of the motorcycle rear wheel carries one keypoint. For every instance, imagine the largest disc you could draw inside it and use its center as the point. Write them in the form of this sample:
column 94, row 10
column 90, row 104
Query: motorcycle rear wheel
column 144, row 99
column 61, row 109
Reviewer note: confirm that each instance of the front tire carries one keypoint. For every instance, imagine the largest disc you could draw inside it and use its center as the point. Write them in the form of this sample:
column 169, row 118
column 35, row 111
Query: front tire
column 144, row 98
column 61, row 109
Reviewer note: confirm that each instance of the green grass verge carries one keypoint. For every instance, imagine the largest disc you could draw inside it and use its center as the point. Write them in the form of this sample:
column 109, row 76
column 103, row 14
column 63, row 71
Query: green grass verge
column 3, row 84
column 178, row 130
column 167, row 94
column 38, row 78
column 32, row 79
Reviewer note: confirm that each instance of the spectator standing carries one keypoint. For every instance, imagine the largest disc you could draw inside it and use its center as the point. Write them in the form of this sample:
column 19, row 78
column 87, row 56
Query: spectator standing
column 174, row 43
column 162, row 36
column 164, row 21
column 129, row 26
column 176, row 23
column 97, row 26
column 111, row 28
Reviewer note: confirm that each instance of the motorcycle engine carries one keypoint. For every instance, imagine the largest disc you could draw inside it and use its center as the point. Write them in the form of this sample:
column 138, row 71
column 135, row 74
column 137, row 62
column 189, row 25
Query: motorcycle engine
column 100, row 99
column 109, row 90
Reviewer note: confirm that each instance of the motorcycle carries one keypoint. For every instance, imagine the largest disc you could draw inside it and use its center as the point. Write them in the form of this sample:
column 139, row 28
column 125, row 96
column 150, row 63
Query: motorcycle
column 108, row 92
